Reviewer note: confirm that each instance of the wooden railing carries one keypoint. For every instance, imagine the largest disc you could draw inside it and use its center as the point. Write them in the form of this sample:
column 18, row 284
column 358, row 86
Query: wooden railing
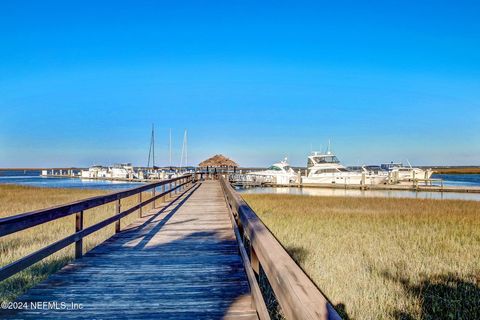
column 24, row 221
column 297, row 295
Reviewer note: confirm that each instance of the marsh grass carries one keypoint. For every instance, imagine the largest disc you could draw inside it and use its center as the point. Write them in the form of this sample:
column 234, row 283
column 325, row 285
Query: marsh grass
column 20, row 199
column 466, row 170
column 379, row 258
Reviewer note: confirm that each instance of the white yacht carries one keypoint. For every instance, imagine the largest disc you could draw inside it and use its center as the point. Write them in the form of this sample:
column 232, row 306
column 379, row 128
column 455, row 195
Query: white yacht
column 279, row 173
column 399, row 172
column 326, row 168
column 95, row 172
column 123, row 171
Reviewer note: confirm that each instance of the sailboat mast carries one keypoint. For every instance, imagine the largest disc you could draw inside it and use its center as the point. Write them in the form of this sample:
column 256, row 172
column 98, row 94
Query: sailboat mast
column 153, row 146
column 150, row 150
column 181, row 155
column 170, row 148
column 186, row 148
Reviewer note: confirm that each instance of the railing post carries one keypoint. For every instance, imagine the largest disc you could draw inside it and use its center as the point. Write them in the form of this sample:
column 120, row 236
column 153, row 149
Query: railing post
column 164, row 187
column 153, row 195
column 254, row 260
column 139, row 202
column 118, row 206
column 79, row 227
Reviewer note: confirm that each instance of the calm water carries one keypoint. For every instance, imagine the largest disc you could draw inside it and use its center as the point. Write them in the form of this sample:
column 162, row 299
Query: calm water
column 448, row 180
column 459, row 179
column 364, row 193
column 33, row 179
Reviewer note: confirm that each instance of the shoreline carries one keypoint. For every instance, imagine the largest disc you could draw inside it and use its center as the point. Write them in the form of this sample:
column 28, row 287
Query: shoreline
column 456, row 170
column 436, row 169
column 399, row 187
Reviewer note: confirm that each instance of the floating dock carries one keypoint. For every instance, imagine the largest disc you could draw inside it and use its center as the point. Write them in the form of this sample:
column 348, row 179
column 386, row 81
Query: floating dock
column 243, row 180
column 418, row 185
column 397, row 187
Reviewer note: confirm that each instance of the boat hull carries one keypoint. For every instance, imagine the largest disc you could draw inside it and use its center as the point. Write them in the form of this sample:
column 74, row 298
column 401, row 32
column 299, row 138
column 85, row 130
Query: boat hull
column 282, row 179
column 350, row 179
column 413, row 174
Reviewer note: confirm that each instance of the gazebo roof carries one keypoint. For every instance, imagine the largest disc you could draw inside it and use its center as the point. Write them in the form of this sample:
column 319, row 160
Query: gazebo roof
column 218, row 160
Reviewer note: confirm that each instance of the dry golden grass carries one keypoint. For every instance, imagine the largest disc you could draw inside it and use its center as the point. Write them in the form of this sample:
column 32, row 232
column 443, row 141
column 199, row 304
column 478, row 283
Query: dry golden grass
column 466, row 170
column 19, row 199
column 378, row 258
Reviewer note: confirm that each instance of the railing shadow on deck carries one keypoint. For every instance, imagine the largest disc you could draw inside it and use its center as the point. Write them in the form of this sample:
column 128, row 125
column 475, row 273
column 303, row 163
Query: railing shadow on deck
column 175, row 207
column 33, row 261
column 191, row 294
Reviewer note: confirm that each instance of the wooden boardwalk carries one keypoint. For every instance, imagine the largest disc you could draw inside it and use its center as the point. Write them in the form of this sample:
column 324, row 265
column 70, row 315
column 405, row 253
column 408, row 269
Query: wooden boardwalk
column 180, row 261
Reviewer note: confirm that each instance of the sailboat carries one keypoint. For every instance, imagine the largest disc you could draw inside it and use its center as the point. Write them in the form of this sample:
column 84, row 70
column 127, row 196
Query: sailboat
column 184, row 155
column 151, row 151
column 152, row 171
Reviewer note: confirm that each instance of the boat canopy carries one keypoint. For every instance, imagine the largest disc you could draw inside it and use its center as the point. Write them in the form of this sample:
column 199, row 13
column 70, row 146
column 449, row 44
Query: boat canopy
column 321, row 159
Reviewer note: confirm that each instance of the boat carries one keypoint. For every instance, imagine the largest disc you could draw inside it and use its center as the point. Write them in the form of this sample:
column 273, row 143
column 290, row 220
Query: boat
column 95, row 172
column 278, row 173
column 325, row 168
column 399, row 172
column 123, row 171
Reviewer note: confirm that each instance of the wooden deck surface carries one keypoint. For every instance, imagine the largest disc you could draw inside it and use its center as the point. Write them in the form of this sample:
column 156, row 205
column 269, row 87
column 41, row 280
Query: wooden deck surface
column 179, row 261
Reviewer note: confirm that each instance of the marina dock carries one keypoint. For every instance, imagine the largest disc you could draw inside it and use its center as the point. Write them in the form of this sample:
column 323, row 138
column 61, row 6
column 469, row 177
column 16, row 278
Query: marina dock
column 393, row 187
column 433, row 185
column 241, row 179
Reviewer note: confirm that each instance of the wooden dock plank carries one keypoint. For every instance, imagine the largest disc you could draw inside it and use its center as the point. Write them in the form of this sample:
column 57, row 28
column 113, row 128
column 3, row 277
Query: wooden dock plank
column 180, row 261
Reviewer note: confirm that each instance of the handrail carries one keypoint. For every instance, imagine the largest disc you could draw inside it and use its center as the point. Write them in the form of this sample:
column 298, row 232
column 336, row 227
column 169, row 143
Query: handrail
column 27, row 220
column 297, row 295
column 258, row 300
column 30, row 219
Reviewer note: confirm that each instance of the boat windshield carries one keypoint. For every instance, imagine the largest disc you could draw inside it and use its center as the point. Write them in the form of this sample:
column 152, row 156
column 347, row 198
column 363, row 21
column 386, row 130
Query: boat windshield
column 275, row 168
column 326, row 159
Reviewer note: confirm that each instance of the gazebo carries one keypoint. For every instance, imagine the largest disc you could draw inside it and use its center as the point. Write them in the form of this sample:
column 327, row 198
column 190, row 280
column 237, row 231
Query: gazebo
column 219, row 162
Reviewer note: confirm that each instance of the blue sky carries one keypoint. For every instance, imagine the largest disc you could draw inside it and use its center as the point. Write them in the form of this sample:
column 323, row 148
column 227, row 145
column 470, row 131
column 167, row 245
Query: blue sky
column 81, row 82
